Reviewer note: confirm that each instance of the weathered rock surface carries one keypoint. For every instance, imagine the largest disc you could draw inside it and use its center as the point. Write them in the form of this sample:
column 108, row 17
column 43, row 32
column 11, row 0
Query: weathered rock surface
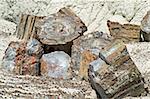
column 60, row 28
column 29, row 87
column 56, row 64
column 87, row 57
column 23, row 58
column 34, row 48
column 115, row 53
column 10, row 55
column 126, row 32
column 145, row 26
column 116, row 82
column 26, row 26
column 92, row 42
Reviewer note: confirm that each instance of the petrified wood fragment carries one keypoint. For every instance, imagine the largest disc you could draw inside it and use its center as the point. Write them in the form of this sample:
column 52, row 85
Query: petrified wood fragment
column 92, row 42
column 115, row 53
column 114, row 82
column 60, row 28
column 126, row 32
column 26, row 26
column 23, row 57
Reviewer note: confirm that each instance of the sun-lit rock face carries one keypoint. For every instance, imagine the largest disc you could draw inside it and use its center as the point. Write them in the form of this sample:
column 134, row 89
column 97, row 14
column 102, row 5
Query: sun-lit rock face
column 60, row 28
column 55, row 64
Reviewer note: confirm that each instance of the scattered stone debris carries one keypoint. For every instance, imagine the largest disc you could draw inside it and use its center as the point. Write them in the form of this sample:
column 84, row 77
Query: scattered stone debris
column 55, row 47
column 56, row 65
column 126, row 32
column 145, row 27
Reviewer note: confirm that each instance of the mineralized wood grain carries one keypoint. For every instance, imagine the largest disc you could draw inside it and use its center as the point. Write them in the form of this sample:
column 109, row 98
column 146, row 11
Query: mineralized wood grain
column 115, row 53
column 126, row 32
column 33, row 87
column 26, row 26
column 117, row 82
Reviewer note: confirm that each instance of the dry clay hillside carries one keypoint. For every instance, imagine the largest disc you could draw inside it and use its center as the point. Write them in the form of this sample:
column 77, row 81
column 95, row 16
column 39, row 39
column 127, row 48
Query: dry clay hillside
column 94, row 14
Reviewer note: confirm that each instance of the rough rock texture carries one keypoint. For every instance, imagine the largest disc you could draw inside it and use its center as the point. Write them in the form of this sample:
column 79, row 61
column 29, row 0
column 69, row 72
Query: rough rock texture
column 86, row 58
column 10, row 55
column 29, row 87
column 34, row 48
column 23, row 58
column 56, row 64
column 145, row 26
column 126, row 32
column 92, row 42
column 119, row 76
column 26, row 26
column 116, row 82
column 60, row 28
column 115, row 53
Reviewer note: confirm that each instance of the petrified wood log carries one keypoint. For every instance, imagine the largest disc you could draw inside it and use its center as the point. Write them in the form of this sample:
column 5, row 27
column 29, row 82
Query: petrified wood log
column 125, row 80
column 116, row 76
column 34, row 87
column 60, row 28
column 126, row 32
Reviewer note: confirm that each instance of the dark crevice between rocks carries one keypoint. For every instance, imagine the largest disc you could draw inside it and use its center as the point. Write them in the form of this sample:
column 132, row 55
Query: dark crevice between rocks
column 60, row 47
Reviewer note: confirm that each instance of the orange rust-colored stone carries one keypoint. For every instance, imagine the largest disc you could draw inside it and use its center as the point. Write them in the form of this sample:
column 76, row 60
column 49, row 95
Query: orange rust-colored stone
column 87, row 57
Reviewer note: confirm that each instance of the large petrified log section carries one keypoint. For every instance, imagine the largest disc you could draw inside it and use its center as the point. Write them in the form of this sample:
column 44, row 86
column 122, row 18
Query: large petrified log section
column 116, row 74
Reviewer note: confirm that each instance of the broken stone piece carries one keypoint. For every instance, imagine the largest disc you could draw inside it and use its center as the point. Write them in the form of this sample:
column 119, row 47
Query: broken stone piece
column 8, row 62
column 56, row 65
column 26, row 26
column 145, row 27
column 126, row 32
column 92, row 42
column 115, row 82
column 87, row 57
column 115, row 53
column 60, row 28
column 34, row 48
column 23, row 57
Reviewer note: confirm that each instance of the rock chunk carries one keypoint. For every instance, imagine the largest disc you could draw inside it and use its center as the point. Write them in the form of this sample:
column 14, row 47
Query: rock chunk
column 115, row 53
column 115, row 75
column 92, row 42
column 56, row 65
column 8, row 61
column 23, row 57
column 126, row 32
column 60, row 28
